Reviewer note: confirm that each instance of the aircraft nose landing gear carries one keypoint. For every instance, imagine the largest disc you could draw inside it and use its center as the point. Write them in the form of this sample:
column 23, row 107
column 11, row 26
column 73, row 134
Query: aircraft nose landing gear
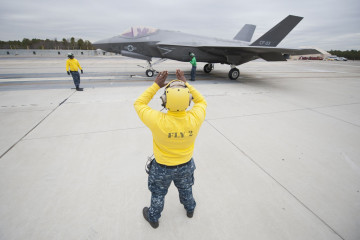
column 149, row 73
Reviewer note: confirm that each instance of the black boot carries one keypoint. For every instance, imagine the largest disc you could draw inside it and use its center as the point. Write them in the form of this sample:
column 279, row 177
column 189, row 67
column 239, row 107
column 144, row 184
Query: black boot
column 190, row 214
column 79, row 89
column 146, row 216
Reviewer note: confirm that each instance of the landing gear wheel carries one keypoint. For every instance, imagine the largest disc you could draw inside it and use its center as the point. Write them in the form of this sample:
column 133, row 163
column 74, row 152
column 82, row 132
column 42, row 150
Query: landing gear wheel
column 208, row 67
column 234, row 73
column 149, row 73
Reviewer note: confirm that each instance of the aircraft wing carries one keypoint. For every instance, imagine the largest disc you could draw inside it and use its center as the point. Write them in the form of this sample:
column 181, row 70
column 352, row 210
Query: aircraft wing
column 241, row 54
column 267, row 53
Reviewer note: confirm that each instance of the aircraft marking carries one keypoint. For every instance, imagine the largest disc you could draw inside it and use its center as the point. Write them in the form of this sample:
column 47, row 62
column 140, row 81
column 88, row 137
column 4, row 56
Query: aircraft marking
column 166, row 50
column 130, row 48
column 267, row 43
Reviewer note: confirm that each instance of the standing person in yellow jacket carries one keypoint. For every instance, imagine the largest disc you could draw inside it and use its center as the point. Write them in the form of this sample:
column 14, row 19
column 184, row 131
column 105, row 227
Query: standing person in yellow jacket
column 73, row 65
column 174, row 135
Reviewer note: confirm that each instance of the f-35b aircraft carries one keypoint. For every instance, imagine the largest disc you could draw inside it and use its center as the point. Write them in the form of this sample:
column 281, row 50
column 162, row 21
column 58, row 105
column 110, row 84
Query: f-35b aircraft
column 147, row 43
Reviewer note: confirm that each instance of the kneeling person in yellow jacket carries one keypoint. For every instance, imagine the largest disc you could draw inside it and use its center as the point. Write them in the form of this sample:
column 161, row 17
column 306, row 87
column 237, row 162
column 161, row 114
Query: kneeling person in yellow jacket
column 174, row 135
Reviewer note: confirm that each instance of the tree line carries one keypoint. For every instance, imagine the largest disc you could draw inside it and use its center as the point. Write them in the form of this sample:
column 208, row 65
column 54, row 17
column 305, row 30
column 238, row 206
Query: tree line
column 349, row 54
column 35, row 43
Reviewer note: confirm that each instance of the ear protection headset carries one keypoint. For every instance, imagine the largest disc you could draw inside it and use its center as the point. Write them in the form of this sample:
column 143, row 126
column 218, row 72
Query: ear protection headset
column 176, row 97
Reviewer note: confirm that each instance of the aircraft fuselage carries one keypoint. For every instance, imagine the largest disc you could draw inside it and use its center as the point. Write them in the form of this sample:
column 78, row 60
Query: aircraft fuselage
column 147, row 43
column 163, row 44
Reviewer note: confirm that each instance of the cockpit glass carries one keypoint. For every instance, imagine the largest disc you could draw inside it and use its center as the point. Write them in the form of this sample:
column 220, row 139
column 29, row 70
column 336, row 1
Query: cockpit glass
column 135, row 32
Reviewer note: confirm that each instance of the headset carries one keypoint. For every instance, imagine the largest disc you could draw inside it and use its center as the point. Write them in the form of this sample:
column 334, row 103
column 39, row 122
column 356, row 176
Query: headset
column 176, row 97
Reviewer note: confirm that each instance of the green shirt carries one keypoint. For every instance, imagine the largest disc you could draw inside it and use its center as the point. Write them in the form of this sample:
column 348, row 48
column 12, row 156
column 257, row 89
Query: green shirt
column 193, row 61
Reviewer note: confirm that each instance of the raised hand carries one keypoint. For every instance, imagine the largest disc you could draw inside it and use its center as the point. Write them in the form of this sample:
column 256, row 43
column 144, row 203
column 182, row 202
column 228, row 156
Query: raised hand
column 160, row 79
column 180, row 75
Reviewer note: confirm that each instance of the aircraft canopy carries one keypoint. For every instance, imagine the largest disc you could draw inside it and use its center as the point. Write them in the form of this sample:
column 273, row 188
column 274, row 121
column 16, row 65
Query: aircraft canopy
column 135, row 32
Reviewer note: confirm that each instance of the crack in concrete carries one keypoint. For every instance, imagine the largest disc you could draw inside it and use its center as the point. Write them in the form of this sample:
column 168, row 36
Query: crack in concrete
column 294, row 110
column 36, row 125
column 276, row 181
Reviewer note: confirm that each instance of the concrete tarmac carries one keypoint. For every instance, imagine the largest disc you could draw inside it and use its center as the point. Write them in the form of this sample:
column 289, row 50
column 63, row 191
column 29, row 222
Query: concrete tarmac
column 277, row 157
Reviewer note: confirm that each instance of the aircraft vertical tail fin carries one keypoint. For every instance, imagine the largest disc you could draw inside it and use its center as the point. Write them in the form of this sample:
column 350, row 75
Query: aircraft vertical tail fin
column 246, row 33
column 275, row 35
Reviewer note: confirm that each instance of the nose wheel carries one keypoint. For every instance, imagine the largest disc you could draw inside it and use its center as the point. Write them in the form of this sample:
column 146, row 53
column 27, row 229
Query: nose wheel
column 149, row 73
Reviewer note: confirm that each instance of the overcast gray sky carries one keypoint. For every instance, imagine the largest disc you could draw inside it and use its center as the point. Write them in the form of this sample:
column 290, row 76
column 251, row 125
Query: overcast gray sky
column 327, row 24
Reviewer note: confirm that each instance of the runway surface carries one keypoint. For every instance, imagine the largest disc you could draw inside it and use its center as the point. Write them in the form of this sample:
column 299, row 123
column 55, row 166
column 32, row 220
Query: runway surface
column 277, row 157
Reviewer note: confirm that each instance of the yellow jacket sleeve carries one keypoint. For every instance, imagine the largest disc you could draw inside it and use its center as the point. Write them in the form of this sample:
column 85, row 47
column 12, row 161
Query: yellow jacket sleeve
column 199, row 108
column 79, row 64
column 147, row 115
column 67, row 65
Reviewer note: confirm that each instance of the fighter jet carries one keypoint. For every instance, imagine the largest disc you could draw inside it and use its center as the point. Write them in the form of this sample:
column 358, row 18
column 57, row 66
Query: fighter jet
column 148, row 43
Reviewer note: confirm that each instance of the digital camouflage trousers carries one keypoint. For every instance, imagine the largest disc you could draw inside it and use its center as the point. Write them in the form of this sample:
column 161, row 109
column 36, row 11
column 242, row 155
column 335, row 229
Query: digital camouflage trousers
column 159, row 180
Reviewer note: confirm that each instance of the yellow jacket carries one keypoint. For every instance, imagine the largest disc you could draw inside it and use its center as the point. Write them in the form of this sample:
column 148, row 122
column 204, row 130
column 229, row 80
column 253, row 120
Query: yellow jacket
column 73, row 64
column 174, row 133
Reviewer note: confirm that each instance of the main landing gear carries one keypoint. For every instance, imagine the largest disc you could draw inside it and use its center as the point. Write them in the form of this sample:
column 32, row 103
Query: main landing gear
column 208, row 67
column 234, row 73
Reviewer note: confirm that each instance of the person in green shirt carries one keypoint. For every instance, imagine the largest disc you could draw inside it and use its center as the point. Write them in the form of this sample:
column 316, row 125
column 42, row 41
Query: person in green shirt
column 193, row 68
